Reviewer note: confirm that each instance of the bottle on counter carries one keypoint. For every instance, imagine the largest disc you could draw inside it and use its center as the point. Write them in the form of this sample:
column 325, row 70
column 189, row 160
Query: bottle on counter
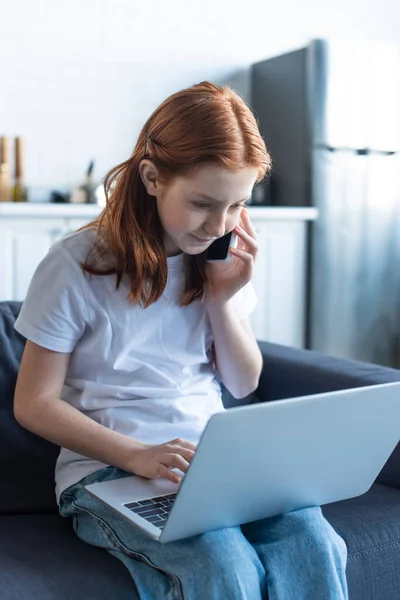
column 5, row 192
column 19, row 190
column 85, row 193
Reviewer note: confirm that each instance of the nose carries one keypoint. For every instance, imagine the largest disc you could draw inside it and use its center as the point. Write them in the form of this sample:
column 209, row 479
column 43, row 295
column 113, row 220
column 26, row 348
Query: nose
column 216, row 226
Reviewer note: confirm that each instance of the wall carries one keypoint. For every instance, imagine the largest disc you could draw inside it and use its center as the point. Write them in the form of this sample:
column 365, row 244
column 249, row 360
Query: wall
column 79, row 78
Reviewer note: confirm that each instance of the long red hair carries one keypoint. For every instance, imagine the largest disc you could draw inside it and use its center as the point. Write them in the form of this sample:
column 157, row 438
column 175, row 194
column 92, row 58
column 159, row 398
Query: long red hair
column 205, row 123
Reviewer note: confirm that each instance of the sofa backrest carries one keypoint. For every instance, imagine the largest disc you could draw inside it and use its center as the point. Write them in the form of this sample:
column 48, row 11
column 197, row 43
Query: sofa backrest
column 290, row 372
column 26, row 461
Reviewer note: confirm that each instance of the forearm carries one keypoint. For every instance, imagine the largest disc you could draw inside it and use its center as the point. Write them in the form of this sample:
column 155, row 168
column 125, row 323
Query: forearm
column 237, row 356
column 62, row 424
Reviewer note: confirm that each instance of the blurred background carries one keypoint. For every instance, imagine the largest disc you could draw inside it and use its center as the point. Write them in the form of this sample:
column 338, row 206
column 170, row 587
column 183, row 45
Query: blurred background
column 79, row 79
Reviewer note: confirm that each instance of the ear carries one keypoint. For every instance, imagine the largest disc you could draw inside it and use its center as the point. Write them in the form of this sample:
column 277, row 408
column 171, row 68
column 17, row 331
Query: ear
column 149, row 175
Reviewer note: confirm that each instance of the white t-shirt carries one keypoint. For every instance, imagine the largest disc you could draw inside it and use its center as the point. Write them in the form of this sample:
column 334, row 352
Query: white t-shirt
column 147, row 373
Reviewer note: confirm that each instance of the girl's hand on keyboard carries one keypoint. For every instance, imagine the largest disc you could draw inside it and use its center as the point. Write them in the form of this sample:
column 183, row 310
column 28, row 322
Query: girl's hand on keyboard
column 154, row 461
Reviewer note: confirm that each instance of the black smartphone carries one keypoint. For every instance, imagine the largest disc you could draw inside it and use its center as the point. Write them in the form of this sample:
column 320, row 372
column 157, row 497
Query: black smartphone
column 219, row 250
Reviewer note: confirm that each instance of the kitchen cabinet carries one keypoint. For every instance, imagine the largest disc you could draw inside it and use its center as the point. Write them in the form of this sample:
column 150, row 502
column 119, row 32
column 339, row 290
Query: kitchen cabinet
column 28, row 230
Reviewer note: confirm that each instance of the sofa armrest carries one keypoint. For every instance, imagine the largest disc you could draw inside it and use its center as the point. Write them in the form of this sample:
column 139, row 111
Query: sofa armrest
column 289, row 372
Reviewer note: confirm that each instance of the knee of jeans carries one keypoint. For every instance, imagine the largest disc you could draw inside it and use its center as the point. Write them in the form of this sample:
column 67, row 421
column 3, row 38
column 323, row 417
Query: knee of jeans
column 226, row 552
column 316, row 529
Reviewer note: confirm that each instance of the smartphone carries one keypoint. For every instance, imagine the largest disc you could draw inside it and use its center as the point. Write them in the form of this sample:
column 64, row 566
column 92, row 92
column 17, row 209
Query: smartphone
column 219, row 250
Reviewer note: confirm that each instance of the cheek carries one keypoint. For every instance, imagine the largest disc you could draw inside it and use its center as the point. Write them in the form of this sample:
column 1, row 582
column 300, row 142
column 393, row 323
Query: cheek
column 171, row 217
column 189, row 221
column 180, row 222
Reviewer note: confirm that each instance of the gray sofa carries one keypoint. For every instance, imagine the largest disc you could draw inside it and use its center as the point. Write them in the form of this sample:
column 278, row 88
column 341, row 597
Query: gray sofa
column 40, row 557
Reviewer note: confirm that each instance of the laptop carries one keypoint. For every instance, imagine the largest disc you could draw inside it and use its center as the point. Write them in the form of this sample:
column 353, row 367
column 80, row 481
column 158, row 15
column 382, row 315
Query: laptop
column 267, row 459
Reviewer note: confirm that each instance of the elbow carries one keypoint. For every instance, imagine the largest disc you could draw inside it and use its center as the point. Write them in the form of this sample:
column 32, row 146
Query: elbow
column 19, row 415
column 242, row 391
column 244, row 386
column 247, row 386
column 16, row 409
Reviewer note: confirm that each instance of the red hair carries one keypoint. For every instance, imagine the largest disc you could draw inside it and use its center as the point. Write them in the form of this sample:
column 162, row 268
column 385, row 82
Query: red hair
column 202, row 124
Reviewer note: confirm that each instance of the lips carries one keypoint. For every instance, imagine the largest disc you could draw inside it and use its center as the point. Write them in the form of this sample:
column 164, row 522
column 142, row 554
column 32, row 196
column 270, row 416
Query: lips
column 201, row 240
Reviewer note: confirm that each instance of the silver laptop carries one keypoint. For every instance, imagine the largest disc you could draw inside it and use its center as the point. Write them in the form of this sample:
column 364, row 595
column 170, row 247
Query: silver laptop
column 267, row 459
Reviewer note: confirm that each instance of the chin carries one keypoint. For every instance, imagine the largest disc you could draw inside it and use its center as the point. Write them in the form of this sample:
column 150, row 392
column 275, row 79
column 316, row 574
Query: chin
column 193, row 252
column 189, row 249
column 190, row 246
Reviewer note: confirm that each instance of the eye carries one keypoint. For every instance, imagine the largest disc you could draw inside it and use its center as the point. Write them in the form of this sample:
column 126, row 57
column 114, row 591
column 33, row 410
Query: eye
column 237, row 206
column 201, row 205
column 205, row 205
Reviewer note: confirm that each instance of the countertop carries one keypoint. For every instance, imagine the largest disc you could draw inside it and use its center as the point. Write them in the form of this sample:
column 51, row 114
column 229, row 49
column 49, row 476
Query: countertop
column 48, row 209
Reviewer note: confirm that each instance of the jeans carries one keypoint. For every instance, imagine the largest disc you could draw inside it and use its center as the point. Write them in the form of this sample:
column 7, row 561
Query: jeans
column 296, row 556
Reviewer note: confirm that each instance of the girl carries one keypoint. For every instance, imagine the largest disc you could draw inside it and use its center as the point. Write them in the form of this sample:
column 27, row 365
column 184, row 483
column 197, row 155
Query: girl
column 127, row 325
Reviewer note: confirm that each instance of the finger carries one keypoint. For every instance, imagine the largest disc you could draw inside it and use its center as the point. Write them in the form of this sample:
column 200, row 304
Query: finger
column 175, row 461
column 247, row 224
column 184, row 444
column 245, row 256
column 165, row 472
column 249, row 241
column 185, row 452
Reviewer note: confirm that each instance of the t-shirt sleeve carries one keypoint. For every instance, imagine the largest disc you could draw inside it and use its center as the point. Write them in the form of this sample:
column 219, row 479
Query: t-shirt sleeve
column 245, row 301
column 54, row 313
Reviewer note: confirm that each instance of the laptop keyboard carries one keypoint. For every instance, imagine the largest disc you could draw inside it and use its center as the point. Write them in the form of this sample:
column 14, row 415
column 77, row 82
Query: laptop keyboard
column 155, row 510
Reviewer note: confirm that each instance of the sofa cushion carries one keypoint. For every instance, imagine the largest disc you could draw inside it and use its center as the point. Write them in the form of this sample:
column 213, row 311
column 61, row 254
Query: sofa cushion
column 42, row 559
column 26, row 461
column 370, row 526
column 390, row 474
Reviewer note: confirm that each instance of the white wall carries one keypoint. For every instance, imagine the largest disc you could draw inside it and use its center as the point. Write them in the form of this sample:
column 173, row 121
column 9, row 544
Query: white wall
column 79, row 77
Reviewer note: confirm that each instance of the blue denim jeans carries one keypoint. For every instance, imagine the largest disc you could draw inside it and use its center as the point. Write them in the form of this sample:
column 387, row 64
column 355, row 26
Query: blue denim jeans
column 296, row 556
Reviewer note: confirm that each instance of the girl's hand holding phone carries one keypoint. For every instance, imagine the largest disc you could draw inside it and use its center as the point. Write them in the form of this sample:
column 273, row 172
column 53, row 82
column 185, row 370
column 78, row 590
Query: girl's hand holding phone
column 227, row 278
column 154, row 461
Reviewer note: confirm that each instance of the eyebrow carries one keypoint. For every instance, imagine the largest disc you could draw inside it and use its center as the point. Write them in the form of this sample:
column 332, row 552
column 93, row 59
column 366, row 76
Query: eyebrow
column 215, row 200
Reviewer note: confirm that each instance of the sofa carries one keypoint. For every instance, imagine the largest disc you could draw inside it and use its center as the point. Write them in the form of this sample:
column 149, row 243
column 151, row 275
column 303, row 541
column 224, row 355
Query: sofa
column 40, row 557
